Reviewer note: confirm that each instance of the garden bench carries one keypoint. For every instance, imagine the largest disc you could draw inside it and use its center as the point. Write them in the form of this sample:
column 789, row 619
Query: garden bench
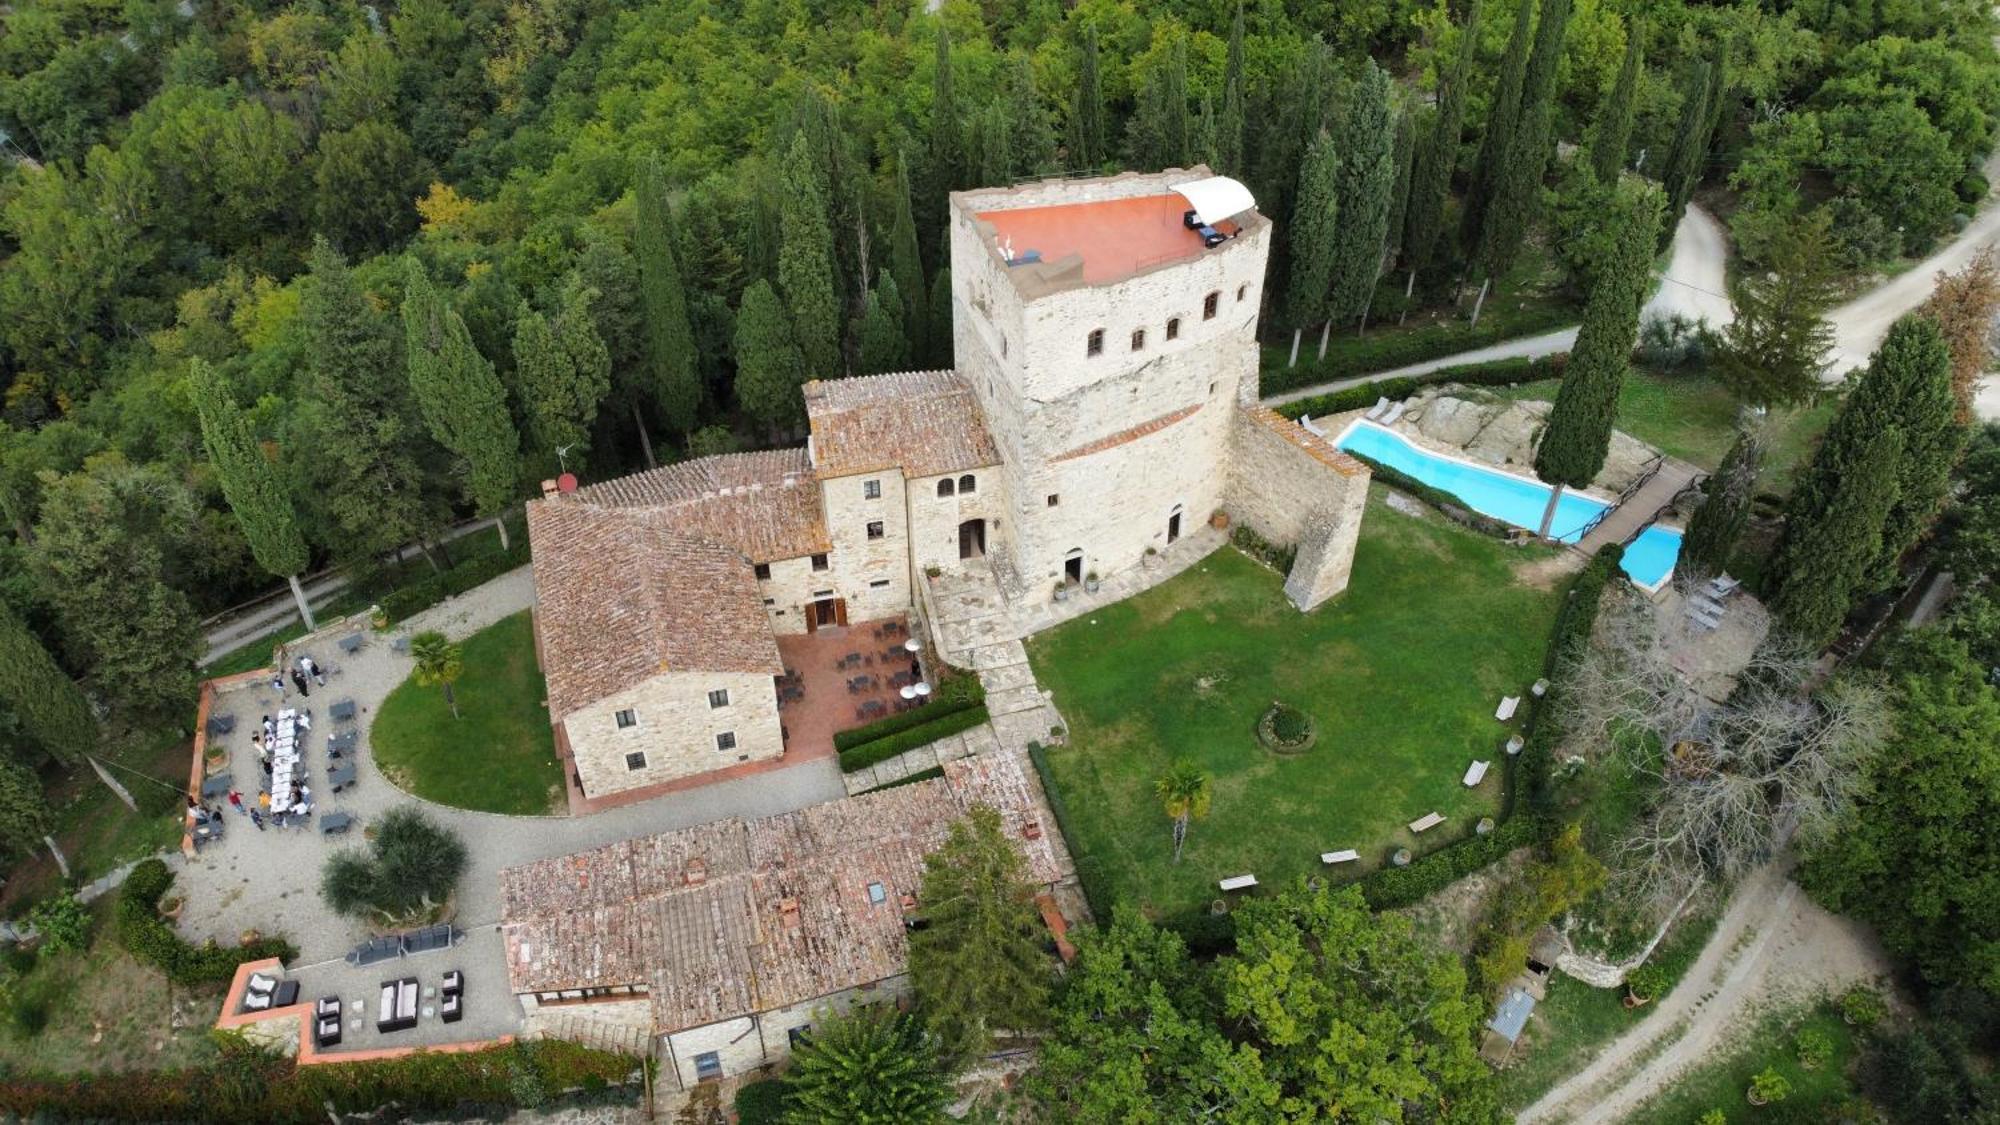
column 1347, row 856
column 351, row 643
column 1475, row 773
column 1508, row 705
column 342, row 711
column 1426, row 822
column 1238, row 882
column 374, row 951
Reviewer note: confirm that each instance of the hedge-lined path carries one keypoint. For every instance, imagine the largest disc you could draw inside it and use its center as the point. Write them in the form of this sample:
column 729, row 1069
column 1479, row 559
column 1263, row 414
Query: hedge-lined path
column 269, row 880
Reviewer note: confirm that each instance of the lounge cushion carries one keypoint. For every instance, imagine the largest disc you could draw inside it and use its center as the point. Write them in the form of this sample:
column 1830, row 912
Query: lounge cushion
column 261, row 983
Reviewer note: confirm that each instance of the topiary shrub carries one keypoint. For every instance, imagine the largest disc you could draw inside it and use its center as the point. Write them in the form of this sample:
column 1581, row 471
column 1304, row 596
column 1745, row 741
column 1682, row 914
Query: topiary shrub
column 1286, row 729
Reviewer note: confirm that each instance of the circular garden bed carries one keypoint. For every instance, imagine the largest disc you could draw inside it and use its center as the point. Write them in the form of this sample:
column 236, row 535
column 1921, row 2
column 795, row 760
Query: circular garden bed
column 1286, row 730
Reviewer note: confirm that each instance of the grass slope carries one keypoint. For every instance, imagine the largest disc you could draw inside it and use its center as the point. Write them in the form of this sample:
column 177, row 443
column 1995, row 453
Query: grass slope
column 1401, row 674
column 500, row 756
column 1722, row 1081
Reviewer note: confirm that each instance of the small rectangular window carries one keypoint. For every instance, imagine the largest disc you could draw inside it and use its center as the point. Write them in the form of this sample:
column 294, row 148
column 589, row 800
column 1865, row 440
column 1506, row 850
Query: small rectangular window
column 718, row 698
column 879, row 584
column 1174, row 328
column 1094, row 345
column 874, row 529
column 1208, row 305
column 1052, row 499
column 627, row 719
column 819, row 562
column 726, row 740
column 707, row 1066
column 1138, row 339
column 871, row 490
column 1242, row 291
column 635, row 760
column 763, row 572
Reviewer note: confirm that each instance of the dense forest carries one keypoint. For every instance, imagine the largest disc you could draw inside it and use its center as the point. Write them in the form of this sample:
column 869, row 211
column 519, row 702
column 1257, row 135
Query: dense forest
column 284, row 286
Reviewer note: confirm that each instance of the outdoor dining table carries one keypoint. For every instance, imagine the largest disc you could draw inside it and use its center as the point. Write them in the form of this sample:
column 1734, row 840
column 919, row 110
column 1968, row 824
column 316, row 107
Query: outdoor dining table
column 342, row 711
column 342, row 776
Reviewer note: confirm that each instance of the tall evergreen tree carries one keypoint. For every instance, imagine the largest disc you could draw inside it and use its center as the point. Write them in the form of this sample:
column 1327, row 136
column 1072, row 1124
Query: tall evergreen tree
column 1231, row 123
column 1916, row 397
column 1437, row 160
column 24, row 809
column 1517, row 192
column 1611, row 134
column 1162, row 132
column 906, row 265
column 1718, row 523
column 1314, row 228
column 575, row 328
column 250, row 483
column 563, row 371
column 1682, row 170
column 977, row 965
column 356, row 417
column 993, row 146
column 805, row 266
column 460, row 397
column 669, row 379
column 1775, row 350
column 942, row 342
column 769, row 369
column 1365, row 186
column 1578, row 433
column 884, row 346
column 1033, row 145
column 1404, row 159
column 52, row 710
column 947, row 164
column 1825, row 560
column 1088, row 123
column 1502, row 120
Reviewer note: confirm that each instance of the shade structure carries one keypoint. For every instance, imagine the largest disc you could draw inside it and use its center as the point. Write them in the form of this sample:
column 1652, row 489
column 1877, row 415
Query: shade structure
column 913, row 645
column 1216, row 198
column 908, row 692
column 921, row 688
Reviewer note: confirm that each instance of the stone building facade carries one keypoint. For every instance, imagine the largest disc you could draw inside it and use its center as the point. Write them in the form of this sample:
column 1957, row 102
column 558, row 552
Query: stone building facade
column 1103, row 404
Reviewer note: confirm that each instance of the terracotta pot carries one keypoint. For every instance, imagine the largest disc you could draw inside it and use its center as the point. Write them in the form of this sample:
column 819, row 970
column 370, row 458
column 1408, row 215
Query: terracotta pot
column 1219, row 521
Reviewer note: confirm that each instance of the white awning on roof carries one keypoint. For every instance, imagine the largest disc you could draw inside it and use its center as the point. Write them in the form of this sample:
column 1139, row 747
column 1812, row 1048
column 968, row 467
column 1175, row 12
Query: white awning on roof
column 1216, row 198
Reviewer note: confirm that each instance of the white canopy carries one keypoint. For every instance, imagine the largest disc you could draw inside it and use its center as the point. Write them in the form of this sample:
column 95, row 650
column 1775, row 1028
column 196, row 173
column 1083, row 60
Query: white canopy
column 1216, row 198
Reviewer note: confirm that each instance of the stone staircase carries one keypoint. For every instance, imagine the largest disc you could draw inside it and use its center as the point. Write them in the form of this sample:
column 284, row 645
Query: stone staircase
column 623, row 1039
column 977, row 628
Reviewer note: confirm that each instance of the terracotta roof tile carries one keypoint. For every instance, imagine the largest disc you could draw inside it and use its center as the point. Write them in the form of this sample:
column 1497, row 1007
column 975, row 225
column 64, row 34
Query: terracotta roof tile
column 624, row 594
column 1134, row 433
column 1318, row 447
column 923, row 422
column 742, row 916
column 765, row 505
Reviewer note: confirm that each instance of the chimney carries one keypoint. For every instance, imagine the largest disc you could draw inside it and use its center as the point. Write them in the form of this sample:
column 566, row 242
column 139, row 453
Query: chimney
column 697, row 873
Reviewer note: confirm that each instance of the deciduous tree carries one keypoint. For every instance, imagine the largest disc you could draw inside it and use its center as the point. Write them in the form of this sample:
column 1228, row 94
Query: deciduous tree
column 366, row 186
column 1964, row 306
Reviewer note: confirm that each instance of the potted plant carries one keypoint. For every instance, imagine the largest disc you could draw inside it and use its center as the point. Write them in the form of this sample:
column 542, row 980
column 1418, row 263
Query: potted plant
column 1484, row 827
column 171, row 906
column 1219, row 906
column 1401, row 858
column 1062, row 591
column 1862, row 1008
column 1219, row 520
column 1090, row 583
column 1150, row 560
column 932, row 571
column 1814, row 1047
column 1768, row 1086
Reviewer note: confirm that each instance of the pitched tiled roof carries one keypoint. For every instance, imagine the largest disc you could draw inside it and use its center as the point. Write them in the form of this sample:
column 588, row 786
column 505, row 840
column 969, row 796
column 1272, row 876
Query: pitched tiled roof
column 742, row 916
column 765, row 505
column 923, row 422
column 624, row 594
column 1134, row 433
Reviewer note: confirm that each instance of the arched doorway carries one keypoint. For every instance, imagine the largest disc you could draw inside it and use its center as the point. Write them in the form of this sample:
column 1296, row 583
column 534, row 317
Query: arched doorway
column 1174, row 524
column 1073, row 567
column 972, row 539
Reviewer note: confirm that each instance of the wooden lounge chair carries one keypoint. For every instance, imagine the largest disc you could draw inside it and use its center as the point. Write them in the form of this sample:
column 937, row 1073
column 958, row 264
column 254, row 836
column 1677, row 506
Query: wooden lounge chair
column 1348, row 855
column 1427, row 822
column 1508, row 705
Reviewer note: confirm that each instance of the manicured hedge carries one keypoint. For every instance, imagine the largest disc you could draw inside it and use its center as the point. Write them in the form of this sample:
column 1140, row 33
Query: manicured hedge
column 1089, row 874
column 145, row 935
column 1387, row 351
column 931, row 774
column 887, row 747
column 1451, row 507
column 1496, row 373
column 406, row 602
column 956, row 694
column 761, row 1103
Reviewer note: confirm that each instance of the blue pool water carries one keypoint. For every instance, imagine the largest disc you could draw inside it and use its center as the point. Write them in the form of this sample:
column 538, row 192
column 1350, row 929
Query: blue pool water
column 1518, row 500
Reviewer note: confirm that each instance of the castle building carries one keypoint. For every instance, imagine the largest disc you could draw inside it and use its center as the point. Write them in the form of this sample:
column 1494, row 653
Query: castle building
column 1104, row 404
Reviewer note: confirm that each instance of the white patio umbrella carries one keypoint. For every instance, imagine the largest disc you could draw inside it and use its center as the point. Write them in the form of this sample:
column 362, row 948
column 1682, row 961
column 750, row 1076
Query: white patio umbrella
column 921, row 688
column 913, row 645
column 908, row 692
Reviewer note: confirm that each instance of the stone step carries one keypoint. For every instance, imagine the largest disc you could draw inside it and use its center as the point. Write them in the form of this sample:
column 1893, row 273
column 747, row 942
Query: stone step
column 992, row 656
column 1013, row 700
column 981, row 740
column 1007, row 676
column 1017, row 729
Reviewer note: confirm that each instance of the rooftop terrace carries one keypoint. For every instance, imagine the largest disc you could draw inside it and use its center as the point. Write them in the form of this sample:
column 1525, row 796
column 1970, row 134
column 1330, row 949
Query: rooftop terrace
column 1114, row 238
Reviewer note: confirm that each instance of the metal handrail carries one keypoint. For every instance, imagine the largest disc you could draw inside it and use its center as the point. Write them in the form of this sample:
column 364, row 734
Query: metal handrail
column 1644, row 478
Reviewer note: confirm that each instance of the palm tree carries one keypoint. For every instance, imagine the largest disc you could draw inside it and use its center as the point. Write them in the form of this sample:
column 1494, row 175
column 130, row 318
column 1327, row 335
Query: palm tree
column 1185, row 792
column 439, row 661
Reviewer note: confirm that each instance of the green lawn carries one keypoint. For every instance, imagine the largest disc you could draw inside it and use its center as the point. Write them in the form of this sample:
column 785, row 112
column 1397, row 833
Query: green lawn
column 499, row 755
column 1692, row 417
column 1721, row 1082
column 94, row 828
column 1401, row 673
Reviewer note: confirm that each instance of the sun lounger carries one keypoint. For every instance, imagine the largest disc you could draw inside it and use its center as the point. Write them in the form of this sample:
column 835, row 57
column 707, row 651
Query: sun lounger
column 1380, row 408
column 1395, row 413
column 1703, row 602
column 1475, row 773
column 1238, row 882
column 1508, row 705
column 1348, row 855
column 1721, row 586
column 1426, row 822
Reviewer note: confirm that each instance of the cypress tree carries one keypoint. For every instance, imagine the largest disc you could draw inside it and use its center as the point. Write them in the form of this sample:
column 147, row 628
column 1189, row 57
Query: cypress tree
column 52, row 709
column 1161, row 130
column 805, row 265
column 883, row 344
column 1578, row 433
column 1087, row 119
column 1718, row 523
column 942, row 343
column 1916, row 363
column 670, row 379
column 1201, row 136
column 907, row 266
column 769, row 369
column 1826, row 559
column 947, row 147
column 1518, row 190
column 1612, row 133
column 575, row 326
column 1502, row 119
column 1405, row 157
column 250, row 483
column 564, row 371
column 1430, row 179
column 1314, row 228
column 993, row 146
column 1230, row 123
column 1365, row 184
column 1034, row 147
column 1774, row 351
column 460, row 397
column 1682, row 170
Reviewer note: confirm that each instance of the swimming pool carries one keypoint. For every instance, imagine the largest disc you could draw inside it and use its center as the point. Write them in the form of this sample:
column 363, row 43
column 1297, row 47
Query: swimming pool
column 1649, row 559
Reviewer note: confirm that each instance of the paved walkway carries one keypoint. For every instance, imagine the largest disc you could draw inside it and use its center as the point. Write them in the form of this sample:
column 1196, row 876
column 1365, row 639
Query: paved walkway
column 269, row 880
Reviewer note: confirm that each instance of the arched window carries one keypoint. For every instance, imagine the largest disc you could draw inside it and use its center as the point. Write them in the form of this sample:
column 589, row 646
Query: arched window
column 1095, row 344
column 944, row 487
column 1173, row 328
column 967, row 486
column 1209, row 303
column 1138, row 339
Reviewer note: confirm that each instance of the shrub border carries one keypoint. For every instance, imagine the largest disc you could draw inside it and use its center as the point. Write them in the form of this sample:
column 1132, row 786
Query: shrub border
column 1494, row 373
column 146, row 936
column 884, row 748
column 1421, row 346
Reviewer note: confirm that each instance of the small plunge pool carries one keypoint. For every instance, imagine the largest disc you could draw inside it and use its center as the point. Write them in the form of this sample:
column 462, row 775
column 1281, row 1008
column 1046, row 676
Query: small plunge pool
column 1649, row 559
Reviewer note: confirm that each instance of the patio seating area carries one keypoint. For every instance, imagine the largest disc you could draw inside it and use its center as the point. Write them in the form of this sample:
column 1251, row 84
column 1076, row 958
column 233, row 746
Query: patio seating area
column 270, row 743
column 844, row 676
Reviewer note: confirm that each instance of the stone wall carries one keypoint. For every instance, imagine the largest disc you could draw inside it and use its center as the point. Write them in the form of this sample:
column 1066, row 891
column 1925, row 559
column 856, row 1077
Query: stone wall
column 872, row 574
column 934, row 520
column 746, row 1043
column 1295, row 489
column 675, row 729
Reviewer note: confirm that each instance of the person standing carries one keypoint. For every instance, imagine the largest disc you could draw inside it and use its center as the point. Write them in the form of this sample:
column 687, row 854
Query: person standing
column 257, row 819
column 311, row 668
column 236, row 799
column 299, row 681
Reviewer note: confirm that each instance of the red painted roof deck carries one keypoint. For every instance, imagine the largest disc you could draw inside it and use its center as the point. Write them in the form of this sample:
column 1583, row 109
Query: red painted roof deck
column 1115, row 237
